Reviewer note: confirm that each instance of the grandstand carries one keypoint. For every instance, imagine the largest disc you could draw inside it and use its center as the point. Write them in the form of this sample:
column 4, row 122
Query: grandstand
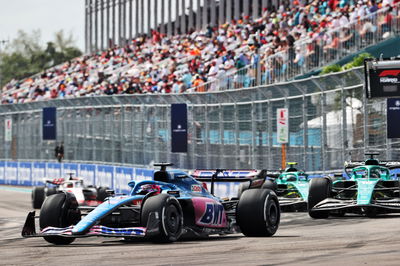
column 207, row 55
column 277, row 46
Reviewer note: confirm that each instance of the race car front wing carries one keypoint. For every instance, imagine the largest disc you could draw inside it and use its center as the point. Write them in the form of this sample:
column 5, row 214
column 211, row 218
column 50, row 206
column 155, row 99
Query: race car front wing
column 330, row 204
column 152, row 228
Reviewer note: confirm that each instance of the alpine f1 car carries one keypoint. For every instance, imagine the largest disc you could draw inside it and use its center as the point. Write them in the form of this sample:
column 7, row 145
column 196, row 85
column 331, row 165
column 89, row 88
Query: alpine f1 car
column 370, row 190
column 171, row 206
column 85, row 195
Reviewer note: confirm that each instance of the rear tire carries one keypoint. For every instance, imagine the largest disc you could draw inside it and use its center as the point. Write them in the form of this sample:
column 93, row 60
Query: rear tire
column 38, row 196
column 269, row 184
column 243, row 187
column 59, row 210
column 102, row 193
column 51, row 191
column 320, row 189
column 258, row 213
column 170, row 216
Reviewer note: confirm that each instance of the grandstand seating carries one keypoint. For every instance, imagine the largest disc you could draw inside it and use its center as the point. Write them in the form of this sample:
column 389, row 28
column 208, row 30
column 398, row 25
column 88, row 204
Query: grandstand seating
column 276, row 47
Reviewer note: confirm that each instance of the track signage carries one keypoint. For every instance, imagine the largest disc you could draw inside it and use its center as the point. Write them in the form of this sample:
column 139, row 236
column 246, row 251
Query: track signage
column 282, row 121
column 393, row 118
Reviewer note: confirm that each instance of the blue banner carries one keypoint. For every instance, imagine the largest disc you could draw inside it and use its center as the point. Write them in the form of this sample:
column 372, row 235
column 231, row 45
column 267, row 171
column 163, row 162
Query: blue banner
column 179, row 127
column 123, row 175
column 393, row 118
column 11, row 173
column 25, row 174
column 105, row 176
column 53, row 170
column 88, row 173
column 143, row 174
column 2, row 173
column 38, row 173
column 49, row 123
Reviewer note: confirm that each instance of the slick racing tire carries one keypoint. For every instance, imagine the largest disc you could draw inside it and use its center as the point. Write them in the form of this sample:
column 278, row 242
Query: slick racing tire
column 38, row 196
column 243, row 187
column 102, row 193
column 51, row 191
column 258, row 213
column 320, row 189
column 269, row 184
column 59, row 210
column 169, row 214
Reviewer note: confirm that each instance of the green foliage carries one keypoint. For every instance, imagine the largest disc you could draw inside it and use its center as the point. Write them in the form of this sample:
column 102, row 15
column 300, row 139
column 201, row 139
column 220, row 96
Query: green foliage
column 25, row 56
column 331, row 69
column 357, row 61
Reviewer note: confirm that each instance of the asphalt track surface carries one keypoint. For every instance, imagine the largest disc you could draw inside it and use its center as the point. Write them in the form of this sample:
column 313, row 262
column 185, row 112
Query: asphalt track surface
column 300, row 240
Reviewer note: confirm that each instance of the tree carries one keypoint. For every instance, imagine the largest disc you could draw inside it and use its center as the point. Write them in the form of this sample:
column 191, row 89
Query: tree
column 26, row 56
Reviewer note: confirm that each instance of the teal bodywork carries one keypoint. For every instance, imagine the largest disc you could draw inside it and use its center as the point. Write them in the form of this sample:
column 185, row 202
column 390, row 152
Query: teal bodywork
column 296, row 184
column 366, row 178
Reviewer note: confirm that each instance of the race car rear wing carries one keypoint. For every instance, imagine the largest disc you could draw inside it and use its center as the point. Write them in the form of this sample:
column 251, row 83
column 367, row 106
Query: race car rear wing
column 388, row 164
column 224, row 175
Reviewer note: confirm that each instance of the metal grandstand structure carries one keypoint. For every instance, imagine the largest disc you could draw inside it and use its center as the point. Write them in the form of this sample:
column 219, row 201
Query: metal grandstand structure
column 115, row 21
column 330, row 121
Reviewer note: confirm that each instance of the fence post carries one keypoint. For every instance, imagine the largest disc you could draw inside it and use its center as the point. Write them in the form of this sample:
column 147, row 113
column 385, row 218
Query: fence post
column 254, row 135
column 207, row 138
column 305, row 133
column 270, row 133
column 237, row 144
column 344, row 125
column 324, row 144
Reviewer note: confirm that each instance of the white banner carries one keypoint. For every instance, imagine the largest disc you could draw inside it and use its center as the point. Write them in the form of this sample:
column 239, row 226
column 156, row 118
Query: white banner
column 282, row 120
column 8, row 129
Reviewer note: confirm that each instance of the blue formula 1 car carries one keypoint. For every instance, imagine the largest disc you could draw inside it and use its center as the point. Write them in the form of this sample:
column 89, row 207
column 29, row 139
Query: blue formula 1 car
column 171, row 206
column 370, row 190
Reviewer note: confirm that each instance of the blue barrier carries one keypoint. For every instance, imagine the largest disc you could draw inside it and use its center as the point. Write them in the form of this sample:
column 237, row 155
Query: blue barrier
column 114, row 177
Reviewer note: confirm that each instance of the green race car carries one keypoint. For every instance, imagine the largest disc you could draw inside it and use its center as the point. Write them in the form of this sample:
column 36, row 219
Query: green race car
column 369, row 189
column 291, row 187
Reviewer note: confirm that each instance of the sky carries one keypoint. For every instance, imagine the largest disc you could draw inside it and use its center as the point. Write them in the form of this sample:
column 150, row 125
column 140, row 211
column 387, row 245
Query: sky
column 49, row 16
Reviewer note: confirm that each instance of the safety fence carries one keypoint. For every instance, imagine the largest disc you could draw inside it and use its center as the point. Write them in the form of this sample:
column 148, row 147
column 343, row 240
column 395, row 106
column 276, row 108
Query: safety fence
column 330, row 121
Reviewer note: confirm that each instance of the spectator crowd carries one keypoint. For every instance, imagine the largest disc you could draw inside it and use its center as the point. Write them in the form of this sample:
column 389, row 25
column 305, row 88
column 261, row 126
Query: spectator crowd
column 156, row 63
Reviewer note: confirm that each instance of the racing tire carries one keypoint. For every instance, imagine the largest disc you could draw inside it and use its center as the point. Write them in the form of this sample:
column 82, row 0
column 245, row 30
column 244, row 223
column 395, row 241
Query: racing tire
column 320, row 189
column 243, row 187
column 59, row 210
column 38, row 196
column 102, row 193
column 269, row 184
column 170, row 214
column 258, row 213
column 51, row 191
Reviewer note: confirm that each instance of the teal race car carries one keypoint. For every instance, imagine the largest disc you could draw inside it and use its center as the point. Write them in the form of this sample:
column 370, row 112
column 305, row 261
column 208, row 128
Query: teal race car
column 291, row 187
column 368, row 188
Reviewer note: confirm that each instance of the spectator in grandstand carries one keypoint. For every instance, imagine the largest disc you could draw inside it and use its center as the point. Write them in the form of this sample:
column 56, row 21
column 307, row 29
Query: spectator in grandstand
column 228, row 53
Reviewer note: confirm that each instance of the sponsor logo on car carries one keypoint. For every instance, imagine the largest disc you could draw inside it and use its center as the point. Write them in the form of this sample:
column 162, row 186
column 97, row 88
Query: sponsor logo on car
column 196, row 188
column 213, row 215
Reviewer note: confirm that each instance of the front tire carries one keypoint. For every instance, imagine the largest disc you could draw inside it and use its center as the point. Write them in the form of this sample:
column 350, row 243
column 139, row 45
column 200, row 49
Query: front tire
column 170, row 216
column 59, row 210
column 258, row 213
column 320, row 189
column 38, row 196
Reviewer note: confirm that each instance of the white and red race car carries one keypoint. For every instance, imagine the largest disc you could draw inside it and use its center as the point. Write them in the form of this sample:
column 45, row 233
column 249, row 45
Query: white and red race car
column 85, row 195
